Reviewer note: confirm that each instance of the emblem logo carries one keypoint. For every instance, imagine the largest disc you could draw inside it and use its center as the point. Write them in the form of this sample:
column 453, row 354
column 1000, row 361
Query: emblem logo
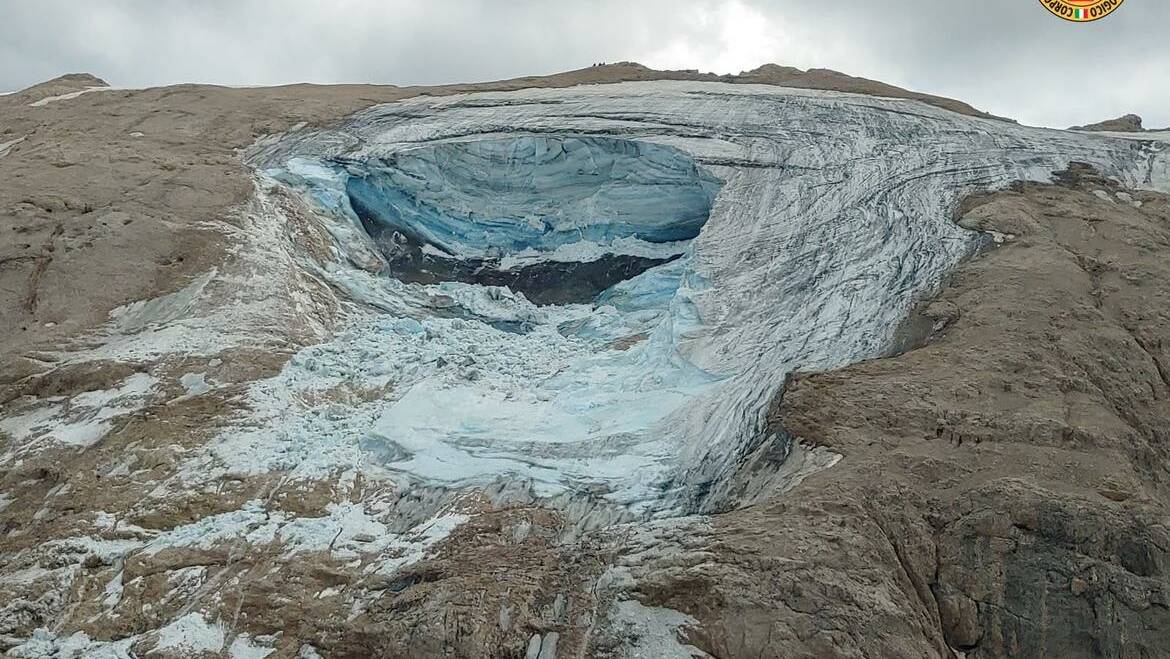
column 1081, row 11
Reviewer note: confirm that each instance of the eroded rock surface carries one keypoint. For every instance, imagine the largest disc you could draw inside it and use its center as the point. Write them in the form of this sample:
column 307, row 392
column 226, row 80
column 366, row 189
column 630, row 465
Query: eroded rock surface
column 1128, row 123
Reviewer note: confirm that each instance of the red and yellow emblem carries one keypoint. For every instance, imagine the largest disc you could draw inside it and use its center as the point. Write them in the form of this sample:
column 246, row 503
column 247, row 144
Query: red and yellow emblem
column 1081, row 11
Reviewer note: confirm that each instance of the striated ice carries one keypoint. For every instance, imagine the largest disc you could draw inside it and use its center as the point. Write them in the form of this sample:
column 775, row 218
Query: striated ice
column 80, row 421
column 532, row 192
column 830, row 218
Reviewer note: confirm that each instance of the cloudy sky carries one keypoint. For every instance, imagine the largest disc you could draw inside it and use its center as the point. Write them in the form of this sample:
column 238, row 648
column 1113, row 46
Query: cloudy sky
column 1010, row 57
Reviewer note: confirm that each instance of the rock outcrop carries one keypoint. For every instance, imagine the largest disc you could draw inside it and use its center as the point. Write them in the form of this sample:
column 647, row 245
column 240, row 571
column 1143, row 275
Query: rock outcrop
column 1129, row 123
column 61, row 86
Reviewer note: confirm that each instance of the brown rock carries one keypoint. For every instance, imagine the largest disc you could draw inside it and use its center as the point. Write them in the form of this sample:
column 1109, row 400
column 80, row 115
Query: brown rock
column 1129, row 123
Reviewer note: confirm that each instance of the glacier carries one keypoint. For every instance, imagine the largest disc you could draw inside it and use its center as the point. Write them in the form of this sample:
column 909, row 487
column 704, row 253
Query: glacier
column 558, row 218
column 532, row 191
column 701, row 242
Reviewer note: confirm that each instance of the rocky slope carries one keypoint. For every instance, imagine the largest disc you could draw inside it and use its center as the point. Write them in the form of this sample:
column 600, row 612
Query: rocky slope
column 1129, row 123
column 263, row 394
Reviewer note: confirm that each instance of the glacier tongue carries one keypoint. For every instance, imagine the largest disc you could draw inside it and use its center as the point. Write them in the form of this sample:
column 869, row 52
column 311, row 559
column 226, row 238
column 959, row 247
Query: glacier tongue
column 832, row 219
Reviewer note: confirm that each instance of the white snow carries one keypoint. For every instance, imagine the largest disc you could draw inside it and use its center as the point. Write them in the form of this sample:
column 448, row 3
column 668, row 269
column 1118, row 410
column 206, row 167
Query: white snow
column 159, row 311
column 244, row 647
column 24, row 575
column 195, row 384
column 585, row 250
column 5, row 147
column 105, row 550
column 192, row 634
column 80, row 421
column 1154, row 135
column 113, row 591
column 653, row 632
column 45, row 645
column 349, row 531
column 67, row 97
column 188, row 635
column 252, row 299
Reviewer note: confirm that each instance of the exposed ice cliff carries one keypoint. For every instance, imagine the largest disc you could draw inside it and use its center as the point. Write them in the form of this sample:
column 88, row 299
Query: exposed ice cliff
column 832, row 218
column 507, row 195
column 559, row 219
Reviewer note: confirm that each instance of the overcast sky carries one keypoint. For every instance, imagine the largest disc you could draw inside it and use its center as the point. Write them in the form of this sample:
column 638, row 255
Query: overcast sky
column 1010, row 57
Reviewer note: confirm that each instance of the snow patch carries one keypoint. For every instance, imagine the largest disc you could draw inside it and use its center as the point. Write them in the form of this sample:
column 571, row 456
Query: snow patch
column 195, row 384
column 585, row 251
column 191, row 634
column 113, row 591
column 349, row 531
column 245, row 647
column 66, row 97
column 5, row 147
column 137, row 316
column 82, row 420
column 653, row 632
column 45, row 645
column 188, row 635
column 257, row 297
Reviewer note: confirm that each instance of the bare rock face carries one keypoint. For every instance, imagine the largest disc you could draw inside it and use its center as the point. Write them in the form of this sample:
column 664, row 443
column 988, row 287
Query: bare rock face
column 1129, row 123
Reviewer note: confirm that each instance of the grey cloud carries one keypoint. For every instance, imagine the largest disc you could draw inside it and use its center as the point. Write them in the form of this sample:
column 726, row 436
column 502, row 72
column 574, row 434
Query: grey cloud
column 1006, row 56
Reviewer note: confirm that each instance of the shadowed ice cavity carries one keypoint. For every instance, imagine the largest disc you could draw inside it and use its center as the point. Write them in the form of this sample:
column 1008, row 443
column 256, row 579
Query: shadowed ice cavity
column 559, row 219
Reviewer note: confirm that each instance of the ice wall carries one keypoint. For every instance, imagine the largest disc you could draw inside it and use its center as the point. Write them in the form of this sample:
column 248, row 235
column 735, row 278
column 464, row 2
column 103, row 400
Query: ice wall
column 832, row 218
column 505, row 196
column 558, row 218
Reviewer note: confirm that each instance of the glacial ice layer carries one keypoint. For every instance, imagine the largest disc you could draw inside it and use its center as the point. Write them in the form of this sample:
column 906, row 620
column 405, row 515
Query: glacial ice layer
column 689, row 245
column 553, row 217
